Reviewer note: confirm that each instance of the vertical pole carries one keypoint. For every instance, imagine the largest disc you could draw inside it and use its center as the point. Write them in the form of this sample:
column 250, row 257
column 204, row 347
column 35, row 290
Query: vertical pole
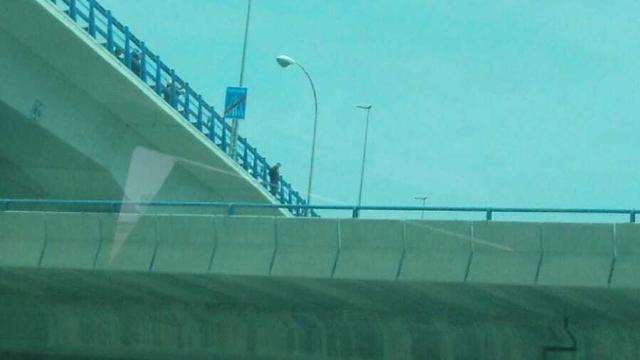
column 187, row 91
column 632, row 217
column 424, row 201
column 224, row 135
column 364, row 156
column 235, row 124
column 127, row 48
column 109, row 31
column 245, row 154
column 254, row 152
column 158, row 76
column 143, row 62
column 92, row 18
column 199, row 120
column 265, row 180
column 72, row 9
column 212, row 125
column 174, row 90
column 280, row 188
column 489, row 214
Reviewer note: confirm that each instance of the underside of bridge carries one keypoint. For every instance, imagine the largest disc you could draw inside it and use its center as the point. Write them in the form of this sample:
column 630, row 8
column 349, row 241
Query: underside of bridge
column 75, row 123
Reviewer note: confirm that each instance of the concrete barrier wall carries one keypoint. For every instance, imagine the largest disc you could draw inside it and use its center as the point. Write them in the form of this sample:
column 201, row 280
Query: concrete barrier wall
column 442, row 251
column 72, row 240
column 576, row 254
column 627, row 262
column 245, row 245
column 128, row 242
column 370, row 249
column 306, row 247
column 437, row 251
column 185, row 243
column 507, row 253
column 22, row 237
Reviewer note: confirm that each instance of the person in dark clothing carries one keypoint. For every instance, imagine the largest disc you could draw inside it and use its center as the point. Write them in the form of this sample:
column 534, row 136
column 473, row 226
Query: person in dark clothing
column 166, row 92
column 274, row 178
column 136, row 63
column 136, row 60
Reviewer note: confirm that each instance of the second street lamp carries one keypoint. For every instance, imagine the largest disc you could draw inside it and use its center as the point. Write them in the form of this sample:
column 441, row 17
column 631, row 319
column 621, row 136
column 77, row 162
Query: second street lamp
column 285, row 61
column 364, row 150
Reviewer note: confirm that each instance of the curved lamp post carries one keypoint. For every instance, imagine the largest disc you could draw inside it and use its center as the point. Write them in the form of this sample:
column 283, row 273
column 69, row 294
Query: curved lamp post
column 285, row 61
column 364, row 150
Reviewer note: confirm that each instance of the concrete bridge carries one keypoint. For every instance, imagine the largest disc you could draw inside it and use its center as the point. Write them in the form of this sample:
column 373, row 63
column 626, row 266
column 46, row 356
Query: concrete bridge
column 153, row 286
column 77, row 123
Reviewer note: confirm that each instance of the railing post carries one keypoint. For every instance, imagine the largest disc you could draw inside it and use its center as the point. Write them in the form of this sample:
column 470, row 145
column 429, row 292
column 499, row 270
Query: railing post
column 231, row 209
column 265, row 179
column 174, row 90
column 632, row 217
column 72, row 9
column 297, row 202
column 356, row 212
column 92, row 18
column 245, row 154
column 143, row 62
column 489, row 214
column 199, row 120
column 223, row 142
column 109, row 31
column 254, row 152
column 280, row 188
column 158, row 76
column 212, row 125
column 127, row 48
column 186, row 111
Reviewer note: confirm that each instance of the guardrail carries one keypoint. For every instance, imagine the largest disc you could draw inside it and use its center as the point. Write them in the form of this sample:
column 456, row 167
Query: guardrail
column 231, row 207
column 118, row 40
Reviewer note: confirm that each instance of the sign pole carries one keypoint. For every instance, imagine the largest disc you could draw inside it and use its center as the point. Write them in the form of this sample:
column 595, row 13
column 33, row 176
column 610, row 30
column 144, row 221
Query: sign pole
column 235, row 124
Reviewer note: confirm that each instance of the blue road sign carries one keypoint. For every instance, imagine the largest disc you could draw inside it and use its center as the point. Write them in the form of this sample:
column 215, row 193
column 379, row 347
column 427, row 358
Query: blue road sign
column 235, row 102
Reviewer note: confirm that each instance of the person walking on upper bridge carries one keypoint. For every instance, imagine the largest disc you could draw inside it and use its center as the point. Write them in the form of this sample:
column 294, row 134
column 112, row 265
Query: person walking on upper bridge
column 168, row 90
column 274, row 179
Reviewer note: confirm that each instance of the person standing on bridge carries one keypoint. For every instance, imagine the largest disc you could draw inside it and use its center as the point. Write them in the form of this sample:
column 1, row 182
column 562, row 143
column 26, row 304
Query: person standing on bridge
column 274, row 178
column 167, row 92
column 136, row 63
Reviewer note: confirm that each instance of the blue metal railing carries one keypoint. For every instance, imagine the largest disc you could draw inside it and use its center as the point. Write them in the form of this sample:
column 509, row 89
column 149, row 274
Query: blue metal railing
column 232, row 207
column 117, row 39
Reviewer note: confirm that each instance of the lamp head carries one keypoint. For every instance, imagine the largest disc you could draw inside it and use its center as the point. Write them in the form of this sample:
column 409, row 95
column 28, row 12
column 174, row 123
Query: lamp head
column 365, row 107
column 284, row 61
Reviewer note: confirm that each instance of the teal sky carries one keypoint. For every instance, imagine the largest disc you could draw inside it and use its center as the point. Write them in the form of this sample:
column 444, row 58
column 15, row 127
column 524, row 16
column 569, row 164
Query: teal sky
column 480, row 103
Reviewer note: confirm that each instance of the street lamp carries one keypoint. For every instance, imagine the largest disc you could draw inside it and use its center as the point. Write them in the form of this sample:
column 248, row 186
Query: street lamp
column 364, row 150
column 424, row 201
column 285, row 61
